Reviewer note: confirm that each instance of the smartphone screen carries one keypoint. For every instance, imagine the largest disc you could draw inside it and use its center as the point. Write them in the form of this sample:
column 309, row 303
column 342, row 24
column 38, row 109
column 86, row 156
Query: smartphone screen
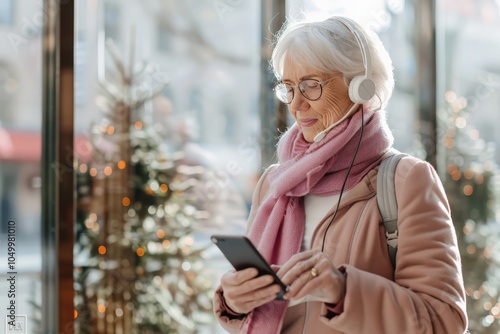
column 242, row 254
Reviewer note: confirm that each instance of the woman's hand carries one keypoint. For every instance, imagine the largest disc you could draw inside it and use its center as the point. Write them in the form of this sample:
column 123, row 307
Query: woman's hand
column 312, row 273
column 244, row 291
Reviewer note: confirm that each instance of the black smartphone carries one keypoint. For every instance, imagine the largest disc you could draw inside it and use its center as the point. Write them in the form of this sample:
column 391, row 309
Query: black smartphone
column 242, row 254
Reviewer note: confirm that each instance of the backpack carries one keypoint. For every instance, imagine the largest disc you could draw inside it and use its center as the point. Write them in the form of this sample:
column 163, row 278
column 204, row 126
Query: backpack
column 387, row 204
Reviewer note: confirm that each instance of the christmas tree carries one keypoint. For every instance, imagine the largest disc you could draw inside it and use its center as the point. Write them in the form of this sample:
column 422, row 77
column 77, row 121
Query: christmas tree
column 137, row 269
column 472, row 192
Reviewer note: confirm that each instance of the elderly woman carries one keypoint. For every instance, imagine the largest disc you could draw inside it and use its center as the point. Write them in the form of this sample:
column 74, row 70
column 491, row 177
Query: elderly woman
column 314, row 214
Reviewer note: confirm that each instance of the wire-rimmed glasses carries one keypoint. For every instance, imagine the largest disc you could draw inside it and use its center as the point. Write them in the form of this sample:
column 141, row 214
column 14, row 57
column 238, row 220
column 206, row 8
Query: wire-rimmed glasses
column 311, row 89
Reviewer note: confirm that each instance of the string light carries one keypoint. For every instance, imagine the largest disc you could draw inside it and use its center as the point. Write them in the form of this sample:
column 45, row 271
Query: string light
column 121, row 164
column 140, row 251
column 450, row 96
column 460, row 122
column 108, row 170
column 474, row 134
column 160, row 234
column 456, row 175
column 83, row 168
column 469, row 174
column 166, row 244
column 102, row 250
column 125, row 201
column 468, row 190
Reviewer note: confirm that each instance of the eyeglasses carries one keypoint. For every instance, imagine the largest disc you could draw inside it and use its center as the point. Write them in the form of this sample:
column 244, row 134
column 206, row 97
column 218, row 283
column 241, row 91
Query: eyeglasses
column 311, row 89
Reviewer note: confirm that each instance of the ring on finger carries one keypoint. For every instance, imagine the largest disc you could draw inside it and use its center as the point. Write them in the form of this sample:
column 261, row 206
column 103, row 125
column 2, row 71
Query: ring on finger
column 314, row 272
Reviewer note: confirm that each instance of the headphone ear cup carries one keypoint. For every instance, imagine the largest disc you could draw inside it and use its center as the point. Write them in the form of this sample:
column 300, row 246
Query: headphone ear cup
column 361, row 89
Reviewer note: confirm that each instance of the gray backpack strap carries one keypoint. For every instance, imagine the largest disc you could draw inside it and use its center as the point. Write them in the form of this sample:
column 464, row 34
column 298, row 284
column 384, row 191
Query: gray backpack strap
column 387, row 204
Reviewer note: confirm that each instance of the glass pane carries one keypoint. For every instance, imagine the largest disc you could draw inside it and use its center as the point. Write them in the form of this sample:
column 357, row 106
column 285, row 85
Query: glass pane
column 6, row 12
column 20, row 154
column 469, row 96
column 161, row 167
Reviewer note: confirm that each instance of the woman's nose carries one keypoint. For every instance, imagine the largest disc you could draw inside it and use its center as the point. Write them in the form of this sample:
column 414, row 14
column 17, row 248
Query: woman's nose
column 299, row 102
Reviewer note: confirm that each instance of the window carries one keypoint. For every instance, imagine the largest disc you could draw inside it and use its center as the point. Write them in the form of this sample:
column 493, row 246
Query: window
column 161, row 173
column 6, row 12
column 468, row 100
column 20, row 155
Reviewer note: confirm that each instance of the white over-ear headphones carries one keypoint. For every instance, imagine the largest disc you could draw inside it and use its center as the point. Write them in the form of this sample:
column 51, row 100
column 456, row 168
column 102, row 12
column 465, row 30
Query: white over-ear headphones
column 361, row 87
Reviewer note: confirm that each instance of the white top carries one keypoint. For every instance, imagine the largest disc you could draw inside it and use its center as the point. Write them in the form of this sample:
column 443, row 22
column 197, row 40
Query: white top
column 316, row 207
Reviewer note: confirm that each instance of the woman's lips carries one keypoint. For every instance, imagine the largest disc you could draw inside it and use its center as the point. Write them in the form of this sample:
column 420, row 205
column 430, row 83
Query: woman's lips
column 308, row 122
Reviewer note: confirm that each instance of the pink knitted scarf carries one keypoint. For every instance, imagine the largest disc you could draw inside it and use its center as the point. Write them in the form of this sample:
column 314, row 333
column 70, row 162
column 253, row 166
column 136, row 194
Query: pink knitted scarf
column 309, row 168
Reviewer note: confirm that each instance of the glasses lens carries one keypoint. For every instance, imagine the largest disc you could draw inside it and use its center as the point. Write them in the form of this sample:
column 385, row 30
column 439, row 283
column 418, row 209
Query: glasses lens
column 284, row 93
column 311, row 89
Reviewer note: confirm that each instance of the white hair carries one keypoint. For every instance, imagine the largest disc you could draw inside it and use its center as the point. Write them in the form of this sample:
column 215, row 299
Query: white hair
column 330, row 47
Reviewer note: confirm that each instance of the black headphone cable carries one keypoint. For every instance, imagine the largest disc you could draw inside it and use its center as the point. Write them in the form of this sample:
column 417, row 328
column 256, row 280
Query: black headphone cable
column 345, row 179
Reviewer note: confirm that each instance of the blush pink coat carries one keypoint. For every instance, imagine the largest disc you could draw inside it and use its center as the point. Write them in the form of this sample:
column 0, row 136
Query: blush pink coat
column 424, row 294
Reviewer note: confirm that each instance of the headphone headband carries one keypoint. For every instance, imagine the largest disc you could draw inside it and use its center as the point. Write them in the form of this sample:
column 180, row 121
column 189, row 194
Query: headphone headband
column 361, row 88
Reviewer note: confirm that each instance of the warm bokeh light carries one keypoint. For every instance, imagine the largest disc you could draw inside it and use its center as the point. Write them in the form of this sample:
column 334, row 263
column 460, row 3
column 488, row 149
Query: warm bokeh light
column 108, row 171
column 160, row 234
column 83, row 168
column 93, row 171
column 449, row 142
column 126, row 201
column 140, row 251
column 166, row 244
column 474, row 134
column 471, row 249
column 456, row 175
column 121, row 164
column 119, row 312
column 188, row 241
column 461, row 103
column 451, row 169
column 469, row 174
column 450, row 96
column 102, row 250
column 468, row 229
column 138, row 125
column 163, row 188
column 89, row 223
column 110, row 130
column 468, row 190
column 460, row 122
